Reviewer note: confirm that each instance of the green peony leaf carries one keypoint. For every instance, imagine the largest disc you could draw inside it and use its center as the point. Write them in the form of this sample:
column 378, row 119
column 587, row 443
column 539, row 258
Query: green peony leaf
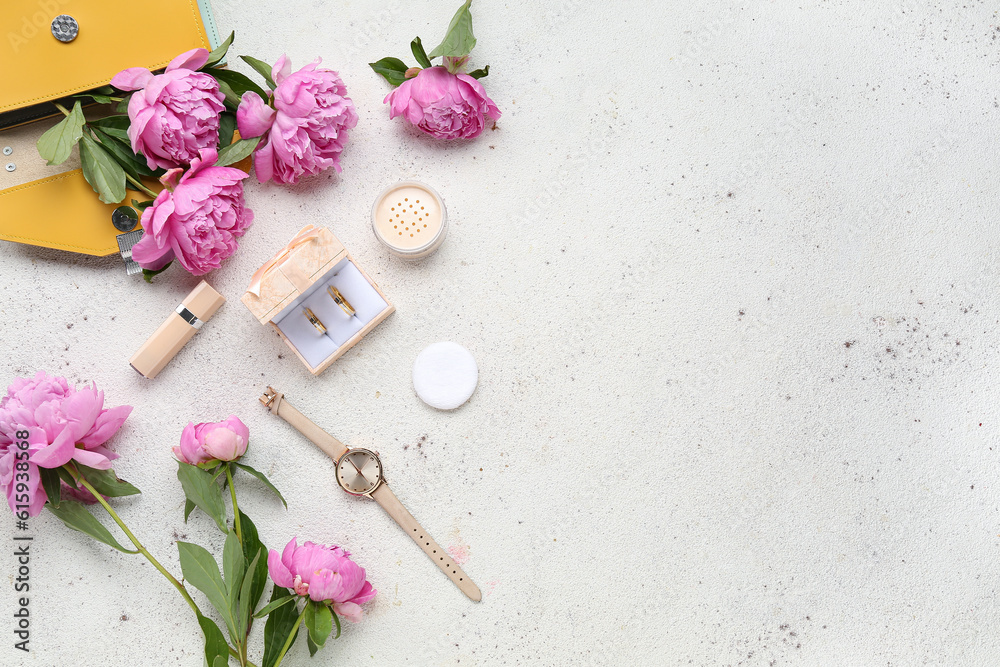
column 279, row 623
column 76, row 517
column 251, row 546
column 227, row 126
column 51, row 485
column 148, row 276
column 459, row 40
column 201, row 571
column 65, row 476
column 99, row 96
column 274, row 604
column 133, row 165
column 107, row 482
column 232, row 100
column 116, row 126
column 262, row 477
column 319, row 621
column 201, row 489
column 480, row 73
column 214, row 57
column 236, row 151
column 313, row 648
column 239, row 83
column 392, row 70
column 243, row 603
column 418, row 52
column 101, row 170
column 233, row 565
column 261, row 68
column 216, row 647
column 56, row 144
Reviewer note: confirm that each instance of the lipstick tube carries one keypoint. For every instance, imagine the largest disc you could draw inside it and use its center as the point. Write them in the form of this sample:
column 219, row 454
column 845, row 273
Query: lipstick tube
column 179, row 327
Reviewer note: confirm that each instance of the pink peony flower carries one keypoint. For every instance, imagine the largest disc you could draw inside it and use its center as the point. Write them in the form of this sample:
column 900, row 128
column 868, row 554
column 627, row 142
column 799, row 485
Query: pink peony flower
column 217, row 441
column 15, row 461
column 196, row 219
column 63, row 424
column 324, row 574
column 174, row 115
column 442, row 104
column 306, row 128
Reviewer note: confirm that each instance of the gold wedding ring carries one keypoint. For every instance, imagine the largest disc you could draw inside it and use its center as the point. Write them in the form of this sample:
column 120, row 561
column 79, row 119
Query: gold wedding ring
column 313, row 320
column 339, row 299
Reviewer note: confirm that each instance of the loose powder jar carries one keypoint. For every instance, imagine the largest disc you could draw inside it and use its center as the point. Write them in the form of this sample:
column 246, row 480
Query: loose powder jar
column 410, row 220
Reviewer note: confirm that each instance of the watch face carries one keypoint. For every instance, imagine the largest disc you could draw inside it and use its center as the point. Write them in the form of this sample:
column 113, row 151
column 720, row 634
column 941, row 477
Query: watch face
column 359, row 471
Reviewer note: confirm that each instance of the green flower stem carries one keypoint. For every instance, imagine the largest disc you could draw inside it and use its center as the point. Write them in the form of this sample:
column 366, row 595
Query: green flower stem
column 236, row 507
column 291, row 636
column 135, row 541
column 178, row 585
column 61, row 108
column 236, row 655
column 241, row 655
column 140, row 186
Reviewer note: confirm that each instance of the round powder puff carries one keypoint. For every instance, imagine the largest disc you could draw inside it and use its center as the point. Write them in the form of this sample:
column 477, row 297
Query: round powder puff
column 445, row 375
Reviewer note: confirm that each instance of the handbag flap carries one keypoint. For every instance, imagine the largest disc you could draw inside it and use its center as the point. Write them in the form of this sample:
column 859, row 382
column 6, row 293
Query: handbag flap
column 62, row 212
column 52, row 206
column 113, row 35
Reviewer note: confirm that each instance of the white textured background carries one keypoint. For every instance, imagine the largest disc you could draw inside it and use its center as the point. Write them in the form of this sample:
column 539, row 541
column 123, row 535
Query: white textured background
column 730, row 275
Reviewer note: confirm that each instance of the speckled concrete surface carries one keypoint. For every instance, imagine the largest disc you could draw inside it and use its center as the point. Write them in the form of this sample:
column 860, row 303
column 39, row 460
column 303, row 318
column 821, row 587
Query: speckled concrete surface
column 729, row 273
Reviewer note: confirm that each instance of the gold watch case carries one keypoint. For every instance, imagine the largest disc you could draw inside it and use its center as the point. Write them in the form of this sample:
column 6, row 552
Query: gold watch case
column 359, row 471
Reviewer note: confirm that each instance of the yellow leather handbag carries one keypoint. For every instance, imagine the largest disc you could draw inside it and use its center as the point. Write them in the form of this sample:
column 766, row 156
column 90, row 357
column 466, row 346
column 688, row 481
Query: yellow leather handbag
column 54, row 49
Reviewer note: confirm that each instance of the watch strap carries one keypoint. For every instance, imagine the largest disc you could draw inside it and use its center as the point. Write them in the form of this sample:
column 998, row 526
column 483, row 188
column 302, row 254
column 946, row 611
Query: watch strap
column 384, row 496
column 274, row 401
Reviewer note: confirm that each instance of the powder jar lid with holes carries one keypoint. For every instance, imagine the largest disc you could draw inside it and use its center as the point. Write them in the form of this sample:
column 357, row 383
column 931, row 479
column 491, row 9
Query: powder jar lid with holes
column 409, row 218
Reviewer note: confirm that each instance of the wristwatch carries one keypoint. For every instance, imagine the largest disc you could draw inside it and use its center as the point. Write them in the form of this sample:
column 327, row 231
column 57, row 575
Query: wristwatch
column 359, row 471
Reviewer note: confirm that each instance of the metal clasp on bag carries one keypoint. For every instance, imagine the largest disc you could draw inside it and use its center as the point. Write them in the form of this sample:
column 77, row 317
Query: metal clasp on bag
column 64, row 28
column 125, row 243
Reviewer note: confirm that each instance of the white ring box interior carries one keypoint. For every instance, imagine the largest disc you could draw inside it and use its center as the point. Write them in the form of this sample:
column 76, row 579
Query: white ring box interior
column 297, row 278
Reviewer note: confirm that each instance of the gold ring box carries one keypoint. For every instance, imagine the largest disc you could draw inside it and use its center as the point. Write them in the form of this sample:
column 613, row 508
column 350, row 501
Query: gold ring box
column 297, row 278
